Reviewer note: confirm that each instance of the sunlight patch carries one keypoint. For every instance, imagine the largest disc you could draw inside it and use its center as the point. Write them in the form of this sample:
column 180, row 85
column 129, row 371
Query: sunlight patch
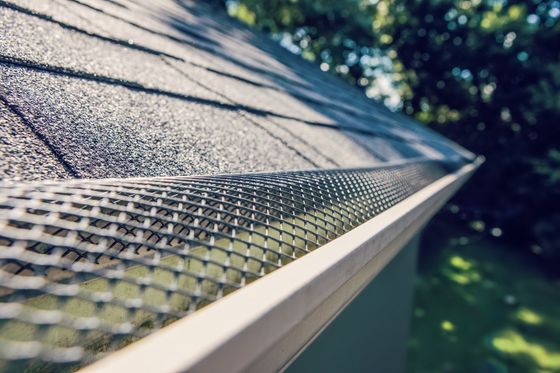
column 461, row 263
column 447, row 325
column 528, row 316
column 513, row 343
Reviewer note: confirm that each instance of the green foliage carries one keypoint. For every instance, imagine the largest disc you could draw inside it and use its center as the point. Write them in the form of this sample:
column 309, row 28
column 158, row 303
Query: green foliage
column 485, row 73
column 480, row 307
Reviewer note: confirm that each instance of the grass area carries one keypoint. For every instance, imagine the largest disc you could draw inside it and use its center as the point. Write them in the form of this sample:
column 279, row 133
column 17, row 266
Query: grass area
column 481, row 306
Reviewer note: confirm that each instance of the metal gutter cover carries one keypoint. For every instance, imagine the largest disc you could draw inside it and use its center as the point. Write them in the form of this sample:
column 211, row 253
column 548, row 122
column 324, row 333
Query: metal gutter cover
column 90, row 266
column 252, row 331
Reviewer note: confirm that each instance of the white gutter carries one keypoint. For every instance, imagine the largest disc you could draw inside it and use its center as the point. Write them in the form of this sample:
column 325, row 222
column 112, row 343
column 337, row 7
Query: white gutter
column 264, row 325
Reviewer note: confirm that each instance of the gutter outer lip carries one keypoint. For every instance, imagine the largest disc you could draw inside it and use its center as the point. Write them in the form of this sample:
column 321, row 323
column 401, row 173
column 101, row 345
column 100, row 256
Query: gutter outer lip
column 248, row 330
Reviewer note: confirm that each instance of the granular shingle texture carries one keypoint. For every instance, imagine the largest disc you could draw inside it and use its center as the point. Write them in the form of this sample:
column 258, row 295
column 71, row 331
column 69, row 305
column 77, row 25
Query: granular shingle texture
column 23, row 155
column 94, row 88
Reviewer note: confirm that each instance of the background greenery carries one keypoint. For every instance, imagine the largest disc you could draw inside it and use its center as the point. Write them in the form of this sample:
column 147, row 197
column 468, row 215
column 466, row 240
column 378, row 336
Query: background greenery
column 481, row 306
column 485, row 73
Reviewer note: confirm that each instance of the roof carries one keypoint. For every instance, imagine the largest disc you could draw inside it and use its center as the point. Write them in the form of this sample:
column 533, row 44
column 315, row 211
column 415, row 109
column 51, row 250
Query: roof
column 124, row 88
column 157, row 156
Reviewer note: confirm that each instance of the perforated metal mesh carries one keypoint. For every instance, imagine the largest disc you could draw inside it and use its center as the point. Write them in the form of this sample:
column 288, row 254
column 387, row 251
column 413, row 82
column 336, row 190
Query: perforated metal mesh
column 89, row 266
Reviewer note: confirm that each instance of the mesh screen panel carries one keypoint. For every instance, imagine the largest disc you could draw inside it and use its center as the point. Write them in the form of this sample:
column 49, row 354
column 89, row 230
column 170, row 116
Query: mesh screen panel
column 88, row 266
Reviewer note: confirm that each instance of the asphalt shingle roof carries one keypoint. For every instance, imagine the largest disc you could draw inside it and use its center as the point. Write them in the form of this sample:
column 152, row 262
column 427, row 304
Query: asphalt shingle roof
column 124, row 88
column 96, row 88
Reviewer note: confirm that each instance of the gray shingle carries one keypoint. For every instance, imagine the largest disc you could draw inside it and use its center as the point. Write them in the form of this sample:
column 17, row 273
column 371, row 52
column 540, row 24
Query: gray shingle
column 104, row 130
column 47, row 43
column 257, row 97
column 95, row 23
column 23, row 156
column 176, row 88
column 339, row 148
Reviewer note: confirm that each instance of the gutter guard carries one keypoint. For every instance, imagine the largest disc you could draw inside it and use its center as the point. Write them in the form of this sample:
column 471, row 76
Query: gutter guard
column 87, row 267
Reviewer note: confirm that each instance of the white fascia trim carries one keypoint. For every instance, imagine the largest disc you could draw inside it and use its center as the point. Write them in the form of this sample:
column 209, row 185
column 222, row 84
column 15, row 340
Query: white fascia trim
column 264, row 325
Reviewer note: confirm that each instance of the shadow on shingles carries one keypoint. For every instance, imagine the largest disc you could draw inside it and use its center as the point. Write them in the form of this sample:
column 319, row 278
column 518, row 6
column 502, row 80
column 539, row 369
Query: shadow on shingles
column 211, row 21
column 342, row 113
